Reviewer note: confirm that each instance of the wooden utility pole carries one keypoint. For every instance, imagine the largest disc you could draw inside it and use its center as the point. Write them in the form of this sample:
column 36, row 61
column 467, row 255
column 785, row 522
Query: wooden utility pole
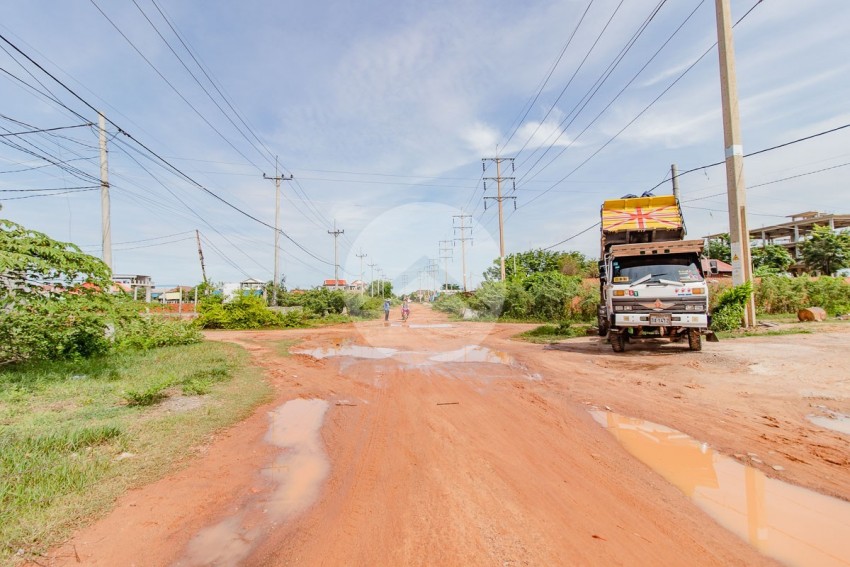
column 105, row 217
column 463, row 238
column 499, row 198
column 336, row 234
column 201, row 255
column 277, row 179
column 739, row 239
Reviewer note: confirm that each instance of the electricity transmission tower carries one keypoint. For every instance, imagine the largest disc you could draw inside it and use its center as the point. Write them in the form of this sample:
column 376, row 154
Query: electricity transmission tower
column 446, row 253
column 277, row 179
column 499, row 198
column 463, row 238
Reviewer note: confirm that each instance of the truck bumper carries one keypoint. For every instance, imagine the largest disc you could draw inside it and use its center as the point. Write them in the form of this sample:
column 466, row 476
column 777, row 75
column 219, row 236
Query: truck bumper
column 692, row 320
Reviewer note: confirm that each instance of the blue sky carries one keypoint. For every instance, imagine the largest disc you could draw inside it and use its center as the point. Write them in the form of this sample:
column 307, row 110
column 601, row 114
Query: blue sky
column 383, row 112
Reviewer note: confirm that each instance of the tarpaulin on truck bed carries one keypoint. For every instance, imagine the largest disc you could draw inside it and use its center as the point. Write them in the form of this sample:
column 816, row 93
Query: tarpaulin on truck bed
column 641, row 213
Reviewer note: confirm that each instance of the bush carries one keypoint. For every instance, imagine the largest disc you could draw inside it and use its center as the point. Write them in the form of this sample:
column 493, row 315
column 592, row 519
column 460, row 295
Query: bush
column 776, row 294
column 729, row 312
column 63, row 328
column 145, row 332
column 243, row 312
column 453, row 304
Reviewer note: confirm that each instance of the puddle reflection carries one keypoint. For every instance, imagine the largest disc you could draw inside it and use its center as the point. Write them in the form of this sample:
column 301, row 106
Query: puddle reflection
column 468, row 353
column 791, row 524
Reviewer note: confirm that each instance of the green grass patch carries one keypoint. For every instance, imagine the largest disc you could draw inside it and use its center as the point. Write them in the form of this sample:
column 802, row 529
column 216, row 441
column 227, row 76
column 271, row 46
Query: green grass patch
column 64, row 425
column 282, row 347
column 552, row 333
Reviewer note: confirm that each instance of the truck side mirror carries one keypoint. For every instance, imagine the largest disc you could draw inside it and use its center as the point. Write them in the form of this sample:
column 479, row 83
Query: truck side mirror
column 712, row 267
column 601, row 270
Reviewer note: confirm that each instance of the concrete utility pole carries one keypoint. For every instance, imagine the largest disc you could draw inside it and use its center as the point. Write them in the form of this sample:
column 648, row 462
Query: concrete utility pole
column 361, row 256
column 277, row 179
column 446, row 253
column 739, row 238
column 674, row 176
column 105, row 217
column 463, row 238
column 201, row 255
column 336, row 234
column 372, row 280
column 433, row 271
column 499, row 198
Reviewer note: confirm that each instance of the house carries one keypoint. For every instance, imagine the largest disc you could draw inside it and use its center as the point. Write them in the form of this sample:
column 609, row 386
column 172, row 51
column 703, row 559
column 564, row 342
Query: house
column 716, row 268
column 357, row 285
column 175, row 294
column 136, row 285
column 253, row 286
column 335, row 284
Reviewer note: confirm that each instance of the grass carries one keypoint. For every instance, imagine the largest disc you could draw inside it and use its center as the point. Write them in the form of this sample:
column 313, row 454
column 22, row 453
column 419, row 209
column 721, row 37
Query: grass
column 281, row 347
column 545, row 334
column 63, row 425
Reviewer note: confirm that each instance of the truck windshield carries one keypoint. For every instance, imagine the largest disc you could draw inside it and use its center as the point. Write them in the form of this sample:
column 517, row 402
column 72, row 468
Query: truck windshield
column 675, row 268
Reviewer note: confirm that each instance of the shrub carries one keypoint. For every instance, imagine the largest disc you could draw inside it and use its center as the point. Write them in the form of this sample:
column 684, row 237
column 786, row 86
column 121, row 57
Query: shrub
column 243, row 312
column 729, row 312
column 145, row 332
column 453, row 304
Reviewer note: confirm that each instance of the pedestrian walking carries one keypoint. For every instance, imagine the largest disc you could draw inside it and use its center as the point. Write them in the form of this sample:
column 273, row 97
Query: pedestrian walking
column 386, row 310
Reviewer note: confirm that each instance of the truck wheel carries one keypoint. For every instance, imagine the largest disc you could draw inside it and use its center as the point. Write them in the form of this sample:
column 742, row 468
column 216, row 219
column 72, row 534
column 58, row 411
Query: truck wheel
column 694, row 339
column 603, row 327
column 618, row 342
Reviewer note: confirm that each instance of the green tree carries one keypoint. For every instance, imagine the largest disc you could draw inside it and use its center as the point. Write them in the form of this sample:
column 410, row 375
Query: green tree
column 826, row 251
column 720, row 248
column 526, row 263
column 771, row 259
column 33, row 263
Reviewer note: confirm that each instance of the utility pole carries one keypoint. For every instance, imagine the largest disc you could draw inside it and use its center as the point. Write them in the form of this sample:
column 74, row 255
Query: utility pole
column 674, row 175
column 201, row 255
column 446, row 253
column 361, row 256
column 739, row 236
column 433, row 270
column 105, row 216
column 499, row 198
column 336, row 234
column 277, row 179
column 463, row 238
column 372, row 280
column 404, row 279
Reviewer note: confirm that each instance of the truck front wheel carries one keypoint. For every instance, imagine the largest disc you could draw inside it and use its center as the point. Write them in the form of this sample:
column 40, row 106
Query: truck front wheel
column 694, row 339
column 618, row 342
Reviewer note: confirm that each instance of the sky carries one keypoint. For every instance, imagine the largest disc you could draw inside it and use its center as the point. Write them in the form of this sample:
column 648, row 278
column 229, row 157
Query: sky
column 384, row 114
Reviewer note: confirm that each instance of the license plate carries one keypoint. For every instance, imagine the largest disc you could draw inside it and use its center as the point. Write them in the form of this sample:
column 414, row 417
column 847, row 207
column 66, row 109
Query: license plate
column 660, row 319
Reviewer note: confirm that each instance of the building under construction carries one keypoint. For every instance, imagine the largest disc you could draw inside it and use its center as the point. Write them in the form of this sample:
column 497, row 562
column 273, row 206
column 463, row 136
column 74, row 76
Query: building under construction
column 792, row 233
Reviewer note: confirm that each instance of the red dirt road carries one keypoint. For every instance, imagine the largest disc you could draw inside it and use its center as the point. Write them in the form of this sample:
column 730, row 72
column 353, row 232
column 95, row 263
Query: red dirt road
column 438, row 451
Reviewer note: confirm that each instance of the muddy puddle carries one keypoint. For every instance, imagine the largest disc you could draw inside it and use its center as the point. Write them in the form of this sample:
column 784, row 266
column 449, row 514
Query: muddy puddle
column 285, row 488
column 791, row 524
column 833, row 420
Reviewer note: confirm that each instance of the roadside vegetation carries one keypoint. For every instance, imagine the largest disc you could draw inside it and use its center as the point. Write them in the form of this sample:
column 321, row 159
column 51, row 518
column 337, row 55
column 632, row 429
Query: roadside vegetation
column 96, row 394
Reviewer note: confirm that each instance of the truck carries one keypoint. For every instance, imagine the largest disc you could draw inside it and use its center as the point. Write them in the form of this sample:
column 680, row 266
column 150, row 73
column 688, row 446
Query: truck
column 651, row 279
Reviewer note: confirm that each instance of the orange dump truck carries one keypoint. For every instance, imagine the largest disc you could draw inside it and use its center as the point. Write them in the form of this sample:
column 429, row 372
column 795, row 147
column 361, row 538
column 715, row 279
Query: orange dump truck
column 651, row 279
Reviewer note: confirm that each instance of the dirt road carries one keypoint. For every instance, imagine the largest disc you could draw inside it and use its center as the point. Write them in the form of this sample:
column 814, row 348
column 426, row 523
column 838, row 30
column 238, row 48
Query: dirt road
column 449, row 444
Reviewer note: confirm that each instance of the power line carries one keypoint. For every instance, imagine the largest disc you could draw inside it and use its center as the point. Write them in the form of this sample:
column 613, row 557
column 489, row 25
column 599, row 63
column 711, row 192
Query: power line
column 762, row 151
column 44, row 130
column 594, row 225
column 48, row 194
column 161, row 159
